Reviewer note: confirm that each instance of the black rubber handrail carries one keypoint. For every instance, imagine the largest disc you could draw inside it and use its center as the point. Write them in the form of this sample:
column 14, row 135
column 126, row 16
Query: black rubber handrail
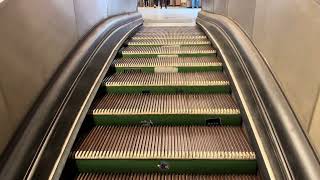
column 39, row 141
column 291, row 147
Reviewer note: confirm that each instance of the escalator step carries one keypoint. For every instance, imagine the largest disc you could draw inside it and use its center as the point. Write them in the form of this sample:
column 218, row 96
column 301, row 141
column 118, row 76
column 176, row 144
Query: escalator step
column 160, row 176
column 165, row 42
column 175, row 149
column 204, row 82
column 170, row 33
column 187, row 64
column 170, row 29
column 154, row 51
column 156, row 35
column 165, row 109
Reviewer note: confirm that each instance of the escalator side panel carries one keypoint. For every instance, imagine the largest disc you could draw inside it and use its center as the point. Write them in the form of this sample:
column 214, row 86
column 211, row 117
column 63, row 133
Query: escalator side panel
column 278, row 138
column 68, row 119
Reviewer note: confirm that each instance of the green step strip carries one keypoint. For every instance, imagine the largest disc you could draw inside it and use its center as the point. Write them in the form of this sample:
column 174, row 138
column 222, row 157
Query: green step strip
column 168, row 119
column 166, row 89
column 179, row 69
column 167, row 166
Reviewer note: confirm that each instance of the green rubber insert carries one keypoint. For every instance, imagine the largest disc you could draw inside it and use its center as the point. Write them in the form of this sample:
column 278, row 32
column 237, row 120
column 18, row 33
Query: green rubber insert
column 180, row 69
column 200, row 69
column 156, row 55
column 134, row 69
column 168, row 119
column 168, row 166
column 166, row 89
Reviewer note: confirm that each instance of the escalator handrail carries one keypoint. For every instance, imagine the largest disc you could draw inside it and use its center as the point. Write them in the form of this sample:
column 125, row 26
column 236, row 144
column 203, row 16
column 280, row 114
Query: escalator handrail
column 299, row 156
column 60, row 109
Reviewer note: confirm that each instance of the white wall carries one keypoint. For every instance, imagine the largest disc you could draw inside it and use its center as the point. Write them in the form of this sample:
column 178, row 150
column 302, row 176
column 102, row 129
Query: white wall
column 35, row 38
column 287, row 32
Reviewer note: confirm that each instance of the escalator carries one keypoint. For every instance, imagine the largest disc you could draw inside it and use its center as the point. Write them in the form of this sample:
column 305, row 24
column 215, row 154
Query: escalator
column 165, row 110
column 100, row 96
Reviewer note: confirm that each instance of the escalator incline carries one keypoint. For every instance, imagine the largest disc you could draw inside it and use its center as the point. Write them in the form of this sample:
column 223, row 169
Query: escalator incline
column 165, row 111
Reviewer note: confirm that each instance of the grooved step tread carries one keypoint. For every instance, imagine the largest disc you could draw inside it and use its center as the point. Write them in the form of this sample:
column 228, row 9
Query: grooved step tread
column 167, row 62
column 189, row 29
column 165, row 109
column 167, row 79
column 170, row 36
column 164, row 142
column 132, row 104
column 165, row 33
column 159, row 176
column 166, row 50
column 205, row 82
column 163, row 42
column 188, row 149
column 168, row 30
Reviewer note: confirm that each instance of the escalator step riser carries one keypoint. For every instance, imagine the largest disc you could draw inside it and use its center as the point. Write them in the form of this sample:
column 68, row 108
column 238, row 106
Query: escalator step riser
column 188, row 64
column 150, row 51
column 172, row 149
column 206, row 82
column 139, row 176
column 166, row 42
column 165, row 109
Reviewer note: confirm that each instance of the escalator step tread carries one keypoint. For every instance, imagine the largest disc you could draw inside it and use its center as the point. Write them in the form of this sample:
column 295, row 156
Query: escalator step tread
column 156, row 35
column 194, row 82
column 167, row 79
column 168, row 64
column 145, row 50
column 161, row 42
column 158, row 32
column 159, row 176
column 164, row 142
column 170, row 29
column 132, row 104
